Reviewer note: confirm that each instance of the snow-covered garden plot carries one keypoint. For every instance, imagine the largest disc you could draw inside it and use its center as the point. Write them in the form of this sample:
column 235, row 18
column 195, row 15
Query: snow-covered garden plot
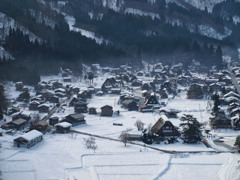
column 64, row 156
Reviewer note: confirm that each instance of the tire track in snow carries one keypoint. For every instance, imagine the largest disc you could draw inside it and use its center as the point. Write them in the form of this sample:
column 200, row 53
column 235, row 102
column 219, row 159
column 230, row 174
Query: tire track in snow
column 163, row 170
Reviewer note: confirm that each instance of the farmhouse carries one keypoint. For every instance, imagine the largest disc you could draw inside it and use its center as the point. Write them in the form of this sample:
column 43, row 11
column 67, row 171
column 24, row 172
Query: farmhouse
column 28, row 139
column 153, row 101
column 165, row 128
column 92, row 110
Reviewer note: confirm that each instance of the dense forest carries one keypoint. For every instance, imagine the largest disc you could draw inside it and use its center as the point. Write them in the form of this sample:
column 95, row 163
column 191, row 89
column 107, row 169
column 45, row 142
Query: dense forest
column 128, row 38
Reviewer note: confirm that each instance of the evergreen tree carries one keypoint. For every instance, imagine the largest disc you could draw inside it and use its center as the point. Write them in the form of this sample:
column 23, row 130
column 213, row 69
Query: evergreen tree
column 218, row 55
column 215, row 98
column 237, row 142
column 190, row 129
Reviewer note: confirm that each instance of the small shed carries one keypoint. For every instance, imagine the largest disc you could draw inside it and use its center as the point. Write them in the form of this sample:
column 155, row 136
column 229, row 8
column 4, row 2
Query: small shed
column 92, row 110
column 63, row 127
column 107, row 110
column 28, row 139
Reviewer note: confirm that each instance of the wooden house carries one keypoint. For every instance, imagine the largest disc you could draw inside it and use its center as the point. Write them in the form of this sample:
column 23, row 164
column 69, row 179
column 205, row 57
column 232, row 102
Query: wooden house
column 145, row 108
column 153, row 101
column 170, row 113
column 215, row 87
column 115, row 90
column 106, row 110
column 53, row 120
column 108, row 84
column 41, row 126
column 220, row 121
column 75, row 119
column 81, row 107
column 57, row 85
column 195, row 92
column 231, row 94
column 54, row 99
column 67, row 79
column 99, row 93
column 236, row 122
column 22, row 115
column 43, row 108
column 19, row 86
column 84, row 95
column 140, row 73
column 147, row 87
column 91, row 89
column 130, row 104
column 24, row 97
column 164, row 128
column 33, row 106
column 136, row 83
column 235, row 111
column 163, row 94
column 13, row 110
column 19, row 123
column 28, row 139
column 92, row 110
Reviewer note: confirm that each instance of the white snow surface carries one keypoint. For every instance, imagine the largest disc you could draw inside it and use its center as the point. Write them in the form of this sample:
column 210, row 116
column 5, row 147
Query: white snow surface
column 71, row 22
column 141, row 13
column 212, row 33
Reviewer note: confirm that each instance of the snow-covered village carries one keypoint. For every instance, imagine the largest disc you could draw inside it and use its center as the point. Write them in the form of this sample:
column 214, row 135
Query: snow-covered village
column 119, row 123
column 119, row 89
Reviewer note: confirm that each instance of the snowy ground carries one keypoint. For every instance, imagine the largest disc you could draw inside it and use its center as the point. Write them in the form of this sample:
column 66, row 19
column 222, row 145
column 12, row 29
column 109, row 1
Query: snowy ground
column 64, row 156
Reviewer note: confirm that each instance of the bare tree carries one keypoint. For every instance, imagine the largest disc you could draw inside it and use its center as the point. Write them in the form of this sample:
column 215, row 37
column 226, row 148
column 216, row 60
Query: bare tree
column 124, row 137
column 90, row 143
column 139, row 124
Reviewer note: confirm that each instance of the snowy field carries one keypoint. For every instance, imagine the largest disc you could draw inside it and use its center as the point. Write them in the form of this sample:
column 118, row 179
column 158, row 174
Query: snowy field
column 65, row 156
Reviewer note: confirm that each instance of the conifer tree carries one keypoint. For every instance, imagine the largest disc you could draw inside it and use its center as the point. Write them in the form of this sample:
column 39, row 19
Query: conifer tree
column 190, row 129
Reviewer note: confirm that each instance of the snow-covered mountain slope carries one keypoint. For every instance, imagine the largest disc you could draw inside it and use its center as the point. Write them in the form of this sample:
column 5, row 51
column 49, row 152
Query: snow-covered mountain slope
column 7, row 22
column 5, row 54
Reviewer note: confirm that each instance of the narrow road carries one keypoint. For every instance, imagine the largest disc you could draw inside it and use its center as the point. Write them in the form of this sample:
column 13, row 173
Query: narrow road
column 150, row 147
column 55, row 108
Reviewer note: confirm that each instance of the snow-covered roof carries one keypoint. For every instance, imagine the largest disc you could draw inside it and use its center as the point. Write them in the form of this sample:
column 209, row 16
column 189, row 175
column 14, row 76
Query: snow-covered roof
column 64, row 124
column 30, row 135
column 46, row 105
column 164, row 117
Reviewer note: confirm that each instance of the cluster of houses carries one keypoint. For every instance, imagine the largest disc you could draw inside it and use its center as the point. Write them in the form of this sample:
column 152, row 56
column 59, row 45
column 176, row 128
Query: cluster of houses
column 228, row 114
column 138, row 91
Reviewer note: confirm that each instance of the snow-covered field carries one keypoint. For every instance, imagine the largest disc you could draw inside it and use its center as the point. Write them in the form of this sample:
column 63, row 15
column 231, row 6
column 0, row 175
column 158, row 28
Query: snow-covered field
column 65, row 156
